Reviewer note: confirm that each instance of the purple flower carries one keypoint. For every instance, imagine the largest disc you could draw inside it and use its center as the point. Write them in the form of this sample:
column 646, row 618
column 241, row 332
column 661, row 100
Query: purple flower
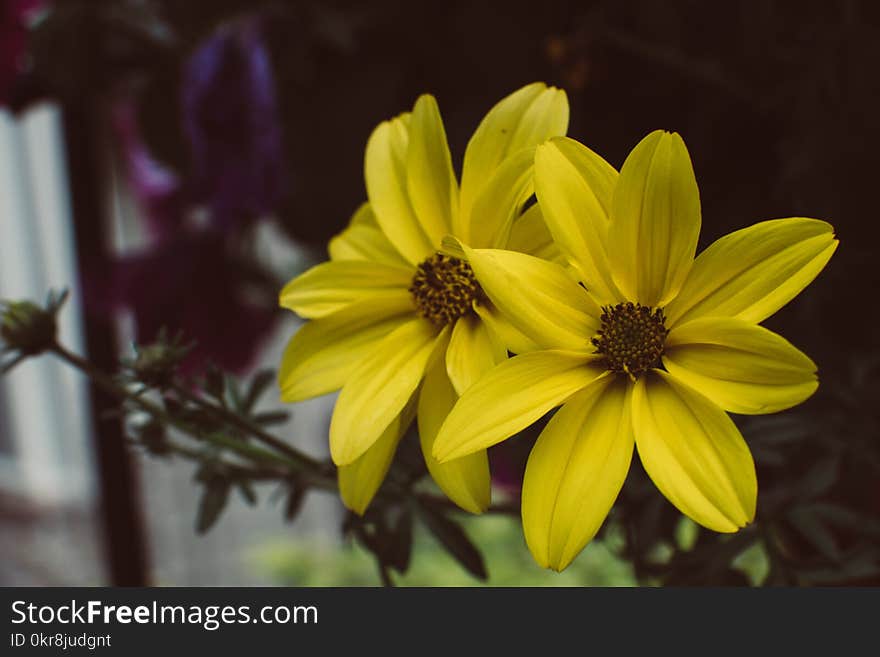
column 191, row 285
column 230, row 119
column 156, row 188
column 15, row 15
column 191, row 279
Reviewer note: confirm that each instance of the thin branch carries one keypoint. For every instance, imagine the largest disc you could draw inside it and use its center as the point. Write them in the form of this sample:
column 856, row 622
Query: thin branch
column 250, row 428
column 108, row 384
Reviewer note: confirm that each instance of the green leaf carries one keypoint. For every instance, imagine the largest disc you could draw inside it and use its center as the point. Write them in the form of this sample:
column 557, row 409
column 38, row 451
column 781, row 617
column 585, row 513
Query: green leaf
column 271, row 417
column 400, row 546
column 233, row 391
column 854, row 567
column 258, row 385
column 808, row 525
column 820, row 478
column 56, row 298
column 847, row 519
column 214, row 385
column 214, row 499
column 453, row 538
column 247, row 491
column 294, row 501
column 780, row 430
column 686, row 532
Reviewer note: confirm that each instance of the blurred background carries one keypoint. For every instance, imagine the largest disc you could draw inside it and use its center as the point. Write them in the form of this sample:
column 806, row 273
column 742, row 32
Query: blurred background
column 174, row 163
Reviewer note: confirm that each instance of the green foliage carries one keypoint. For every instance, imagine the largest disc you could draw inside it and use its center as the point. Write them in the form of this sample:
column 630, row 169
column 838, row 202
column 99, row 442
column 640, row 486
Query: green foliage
column 817, row 521
column 304, row 563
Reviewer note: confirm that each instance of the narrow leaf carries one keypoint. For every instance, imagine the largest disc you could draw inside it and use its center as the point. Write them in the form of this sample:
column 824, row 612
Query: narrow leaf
column 811, row 528
column 247, row 492
column 294, row 501
column 258, row 385
column 401, row 542
column 271, row 417
column 213, row 501
column 453, row 538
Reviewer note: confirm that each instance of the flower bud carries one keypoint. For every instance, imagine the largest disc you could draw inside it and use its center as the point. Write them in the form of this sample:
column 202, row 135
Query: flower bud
column 27, row 328
column 156, row 364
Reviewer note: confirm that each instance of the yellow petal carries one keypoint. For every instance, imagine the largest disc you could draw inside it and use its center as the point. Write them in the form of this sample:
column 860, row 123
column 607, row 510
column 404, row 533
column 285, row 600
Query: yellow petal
column 431, row 182
column 520, row 121
column 364, row 240
column 753, row 272
column 742, row 367
column 385, row 173
column 655, row 220
column 505, row 332
column 574, row 188
column 324, row 352
column 379, row 388
column 501, row 200
column 464, row 480
column 694, row 453
column 360, row 480
column 575, row 471
column 529, row 234
column 510, row 397
column 472, row 352
column 538, row 297
column 334, row 284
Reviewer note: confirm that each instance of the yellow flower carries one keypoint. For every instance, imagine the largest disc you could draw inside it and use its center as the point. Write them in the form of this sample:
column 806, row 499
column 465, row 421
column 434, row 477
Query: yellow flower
column 649, row 350
column 399, row 327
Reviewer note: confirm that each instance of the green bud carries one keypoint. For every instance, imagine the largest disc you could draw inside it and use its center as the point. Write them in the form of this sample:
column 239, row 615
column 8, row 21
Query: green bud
column 27, row 328
column 152, row 435
column 156, row 364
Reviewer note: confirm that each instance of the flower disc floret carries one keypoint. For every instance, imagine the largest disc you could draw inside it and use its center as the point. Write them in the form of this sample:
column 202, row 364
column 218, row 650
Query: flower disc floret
column 444, row 289
column 631, row 338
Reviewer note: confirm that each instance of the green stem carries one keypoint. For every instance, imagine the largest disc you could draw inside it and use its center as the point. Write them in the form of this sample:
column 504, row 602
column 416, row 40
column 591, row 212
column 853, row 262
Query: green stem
column 311, row 472
column 250, row 428
column 109, row 385
column 237, row 470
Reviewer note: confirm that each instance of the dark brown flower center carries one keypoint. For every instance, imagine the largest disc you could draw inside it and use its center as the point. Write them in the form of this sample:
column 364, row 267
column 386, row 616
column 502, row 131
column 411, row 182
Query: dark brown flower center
column 444, row 289
column 631, row 338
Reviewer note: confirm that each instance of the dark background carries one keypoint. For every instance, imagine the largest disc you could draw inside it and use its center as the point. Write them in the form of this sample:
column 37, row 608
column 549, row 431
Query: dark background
column 777, row 102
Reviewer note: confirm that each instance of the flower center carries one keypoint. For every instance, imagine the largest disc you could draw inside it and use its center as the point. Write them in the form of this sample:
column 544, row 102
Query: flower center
column 631, row 338
column 444, row 289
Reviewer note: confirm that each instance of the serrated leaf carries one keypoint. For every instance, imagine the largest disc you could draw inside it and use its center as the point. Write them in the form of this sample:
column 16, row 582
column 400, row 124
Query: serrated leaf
column 453, row 538
column 214, row 499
